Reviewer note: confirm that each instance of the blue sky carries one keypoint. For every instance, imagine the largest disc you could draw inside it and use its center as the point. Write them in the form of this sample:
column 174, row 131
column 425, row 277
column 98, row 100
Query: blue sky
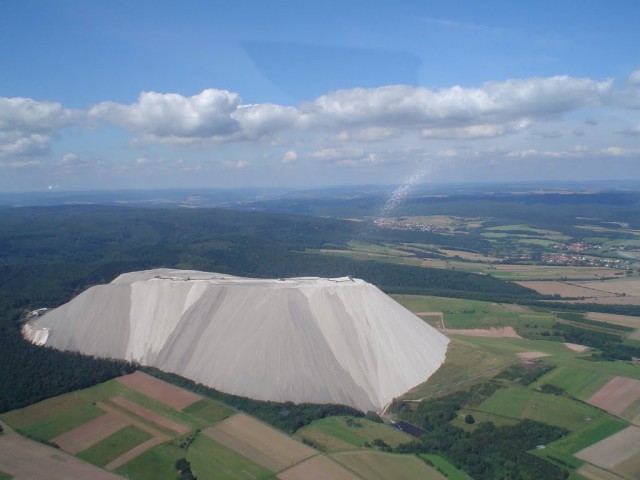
column 142, row 94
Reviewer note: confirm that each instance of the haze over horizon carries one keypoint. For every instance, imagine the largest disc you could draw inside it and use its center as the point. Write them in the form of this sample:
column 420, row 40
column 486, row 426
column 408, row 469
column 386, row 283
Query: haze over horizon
column 284, row 94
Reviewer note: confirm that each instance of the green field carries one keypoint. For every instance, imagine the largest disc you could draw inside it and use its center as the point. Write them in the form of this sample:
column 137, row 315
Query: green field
column 443, row 465
column 208, row 411
column 578, row 382
column 464, row 366
column 158, row 462
column 521, row 402
column 523, row 228
column 598, row 429
column 200, row 414
column 5, row 476
column 461, row 313
column 213, row 461
column 209, row 460
column 113, row 446
column 50, row 418
column 345, row 433
column 382, row 466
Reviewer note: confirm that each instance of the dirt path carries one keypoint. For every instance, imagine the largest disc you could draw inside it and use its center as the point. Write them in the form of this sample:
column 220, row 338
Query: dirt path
column 150, row 416
column 133, row 453
column 90, row 433
column 134, row 421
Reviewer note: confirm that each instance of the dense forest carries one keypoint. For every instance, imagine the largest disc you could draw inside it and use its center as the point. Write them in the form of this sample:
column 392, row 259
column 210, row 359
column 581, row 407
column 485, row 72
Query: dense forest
column 488, row 452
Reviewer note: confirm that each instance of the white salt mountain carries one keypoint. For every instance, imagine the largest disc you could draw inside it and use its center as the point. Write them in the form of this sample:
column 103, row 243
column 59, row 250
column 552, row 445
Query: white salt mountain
column 299, row 339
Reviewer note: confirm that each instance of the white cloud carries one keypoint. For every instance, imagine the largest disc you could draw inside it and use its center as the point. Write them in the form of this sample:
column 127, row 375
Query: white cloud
column 546, row 134
column 615, row 151
column 632, row 131
column 210, row 116
column 257, row 121
column 21, row 164
column 369, row 134
column 26, row 125
column 358, row 114
column 237, row 164
column 493, row 103
column 167, row 116
column 348, row 157
column 332, row 154
column 470, row 132
column 27, row 115
column 70, row 159
column 290, row 157
column 23, row 144
column 634, row 78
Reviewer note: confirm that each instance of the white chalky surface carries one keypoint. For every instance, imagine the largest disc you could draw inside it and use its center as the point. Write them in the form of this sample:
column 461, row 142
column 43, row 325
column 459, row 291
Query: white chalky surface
column 298, row 339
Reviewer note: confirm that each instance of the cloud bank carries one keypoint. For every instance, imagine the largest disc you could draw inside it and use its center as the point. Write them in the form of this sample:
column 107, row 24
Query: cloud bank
column 346, row 128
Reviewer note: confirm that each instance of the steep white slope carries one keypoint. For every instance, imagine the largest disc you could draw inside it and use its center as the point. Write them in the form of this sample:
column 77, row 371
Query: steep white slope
column 300, row 339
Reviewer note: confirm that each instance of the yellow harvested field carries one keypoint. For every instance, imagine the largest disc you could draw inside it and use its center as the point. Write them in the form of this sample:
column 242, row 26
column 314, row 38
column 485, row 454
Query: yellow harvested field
column 381, row 466
column 618, row 286
column 163, row 392
column 259, row 443
column 617, row 395
column 624, row 320
column 610, row 300
column 502, row 332
column 549, row 271
column 630, row 468
column 317, row 468
column 468, row 255
column 613, row 450
column 90, row 433
column 562, row 288
column 588, row 292
column 591, row 472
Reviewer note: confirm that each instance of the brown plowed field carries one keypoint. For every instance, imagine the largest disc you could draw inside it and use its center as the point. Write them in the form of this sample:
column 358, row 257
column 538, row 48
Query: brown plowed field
column 25, row 460
column 630, row 468
column 591, row 472
column 613, row 450
column 618, row 394
column 149, row 415
column 163, row 392
column 259, row 443
column 317, row 468
column 624, row 320
column 90, row 433
column 606, row 293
